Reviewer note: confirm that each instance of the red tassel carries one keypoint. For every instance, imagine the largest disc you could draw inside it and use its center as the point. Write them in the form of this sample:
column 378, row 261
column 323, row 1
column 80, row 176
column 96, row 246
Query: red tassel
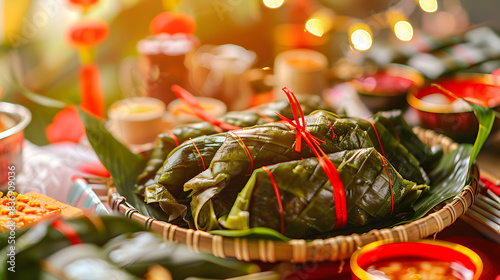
column 91, row 90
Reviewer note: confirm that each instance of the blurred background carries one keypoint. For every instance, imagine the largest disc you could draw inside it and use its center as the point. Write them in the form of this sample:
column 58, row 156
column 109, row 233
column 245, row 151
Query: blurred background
column 35, row 56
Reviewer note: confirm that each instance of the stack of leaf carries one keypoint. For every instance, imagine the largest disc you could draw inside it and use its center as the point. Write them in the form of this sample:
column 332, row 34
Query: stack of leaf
column 267, row 177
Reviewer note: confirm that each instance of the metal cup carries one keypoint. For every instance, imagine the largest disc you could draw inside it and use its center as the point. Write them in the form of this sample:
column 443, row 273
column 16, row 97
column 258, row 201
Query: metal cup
column 14, row 119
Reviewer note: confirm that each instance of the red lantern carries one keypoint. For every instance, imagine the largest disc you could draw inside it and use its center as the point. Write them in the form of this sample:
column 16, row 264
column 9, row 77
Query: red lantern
column 88, row 33
column 172, row 23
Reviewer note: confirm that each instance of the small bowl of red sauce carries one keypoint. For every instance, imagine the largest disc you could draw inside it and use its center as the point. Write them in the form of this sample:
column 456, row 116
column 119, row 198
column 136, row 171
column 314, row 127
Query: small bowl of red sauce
column 452, row 116
column 386, row 88
column 424, row 259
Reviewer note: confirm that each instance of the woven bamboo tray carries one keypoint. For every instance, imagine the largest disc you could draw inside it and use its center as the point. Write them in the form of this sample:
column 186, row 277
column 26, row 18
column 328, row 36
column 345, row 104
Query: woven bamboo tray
column 299, row 250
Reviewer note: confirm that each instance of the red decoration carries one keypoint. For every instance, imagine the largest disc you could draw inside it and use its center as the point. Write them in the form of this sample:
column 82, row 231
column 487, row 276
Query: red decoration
column 172, row 135
column 197, row 150
column 325, row 163
column 278, row 198
column 331, row 126
column 83, row 3
column 172, row 23
column 91, row 90
column 87, row 33
column 488, row 185
column 390, row 182
column 66, row 127
column 94, row 168
column 189, row 100
column 67, row 231
column 232, row 133
column 262, row 115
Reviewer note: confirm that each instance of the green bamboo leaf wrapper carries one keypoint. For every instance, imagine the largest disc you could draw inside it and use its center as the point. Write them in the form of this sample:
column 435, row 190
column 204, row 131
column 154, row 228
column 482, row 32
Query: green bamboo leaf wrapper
column 274, row 143
column 307, row 194
column 122, row 164
column 183, row 163
column 267, row 144
column 394, row 122
column 164, row 144
column 397, row 154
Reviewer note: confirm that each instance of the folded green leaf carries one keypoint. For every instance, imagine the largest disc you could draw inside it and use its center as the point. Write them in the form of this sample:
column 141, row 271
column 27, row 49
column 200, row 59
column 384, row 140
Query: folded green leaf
column 448, row 179
column 183, row 163
column 122, row 164
column 486, row 118
column 247, row 149
column 307, row 194
column 392, row 148
column 393, row 121
column 166, row 142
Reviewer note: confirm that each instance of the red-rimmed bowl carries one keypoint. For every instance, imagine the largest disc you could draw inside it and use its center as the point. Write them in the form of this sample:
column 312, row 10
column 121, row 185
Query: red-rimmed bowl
column 457, row 122
column 386, row 88
column 423, row 254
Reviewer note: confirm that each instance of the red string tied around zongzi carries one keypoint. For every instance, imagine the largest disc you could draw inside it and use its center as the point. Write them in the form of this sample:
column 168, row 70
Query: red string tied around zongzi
column 326, row 164
column 198, row 151
column 382, row 156
column 189, row 100
column 390, row 181
column 232, row 133
column 376, row 134
column 278, row 198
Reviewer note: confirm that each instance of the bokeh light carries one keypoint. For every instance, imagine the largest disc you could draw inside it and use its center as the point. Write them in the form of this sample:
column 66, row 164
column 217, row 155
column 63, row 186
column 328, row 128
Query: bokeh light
column 403, row 30
column 429, row 6
column 273, row 4
column 315, row 27
column 361, row 39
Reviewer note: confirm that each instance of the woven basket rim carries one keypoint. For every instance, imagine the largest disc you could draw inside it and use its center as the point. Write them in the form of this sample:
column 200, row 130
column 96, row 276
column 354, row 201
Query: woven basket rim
column 318, row 250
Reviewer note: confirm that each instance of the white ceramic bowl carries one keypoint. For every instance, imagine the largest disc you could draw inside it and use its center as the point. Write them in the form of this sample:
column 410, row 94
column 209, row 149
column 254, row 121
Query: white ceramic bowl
column 137, row 120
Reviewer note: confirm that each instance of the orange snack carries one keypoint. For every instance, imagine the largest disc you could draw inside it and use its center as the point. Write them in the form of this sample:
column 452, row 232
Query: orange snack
column 18, row 210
